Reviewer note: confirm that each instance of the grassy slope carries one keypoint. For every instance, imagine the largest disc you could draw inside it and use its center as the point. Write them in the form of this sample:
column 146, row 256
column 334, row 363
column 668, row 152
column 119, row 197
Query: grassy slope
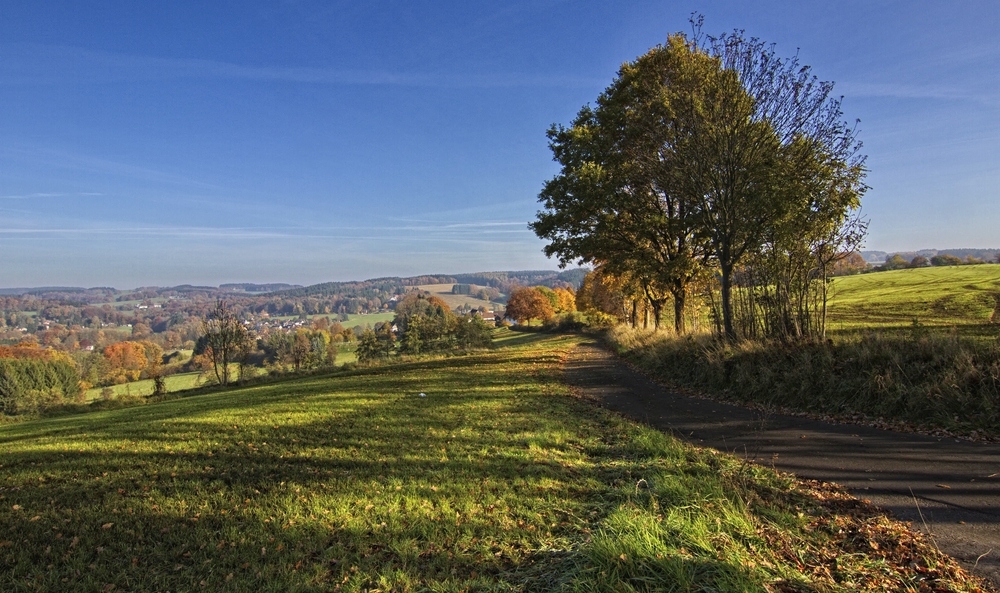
column 346, row 353
column 934, row 296
column 493, row 481
column 443, row 291
column 178, row 382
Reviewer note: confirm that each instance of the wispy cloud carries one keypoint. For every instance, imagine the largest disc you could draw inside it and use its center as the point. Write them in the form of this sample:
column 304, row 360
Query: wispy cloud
column 47, row 64
column 910, row 91
column 95, row 164
column 40, row 195
column 460, row 232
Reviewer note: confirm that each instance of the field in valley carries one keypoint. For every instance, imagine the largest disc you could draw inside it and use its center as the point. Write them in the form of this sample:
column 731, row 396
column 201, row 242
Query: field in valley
column 478, row 473
column 443, row 292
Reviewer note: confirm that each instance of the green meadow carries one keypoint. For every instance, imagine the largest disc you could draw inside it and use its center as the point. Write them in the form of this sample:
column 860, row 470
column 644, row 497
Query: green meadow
column 947, row 295
column 346, row 354
column 473, row 473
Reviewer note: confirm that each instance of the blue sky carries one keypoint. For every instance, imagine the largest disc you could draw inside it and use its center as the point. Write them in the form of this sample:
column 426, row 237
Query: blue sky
column 208, row 142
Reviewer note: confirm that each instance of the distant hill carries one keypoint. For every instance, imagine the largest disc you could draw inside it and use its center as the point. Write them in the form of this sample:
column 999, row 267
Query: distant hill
column 878, row 257
column 40, row 290
column 550, row 278
column 359, row 288
column 252, row 287
column 382, row 286
column 363, row 288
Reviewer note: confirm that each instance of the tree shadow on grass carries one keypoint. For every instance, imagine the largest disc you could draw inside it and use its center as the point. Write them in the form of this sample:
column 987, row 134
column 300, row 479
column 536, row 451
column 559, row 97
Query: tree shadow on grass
column 475, row 487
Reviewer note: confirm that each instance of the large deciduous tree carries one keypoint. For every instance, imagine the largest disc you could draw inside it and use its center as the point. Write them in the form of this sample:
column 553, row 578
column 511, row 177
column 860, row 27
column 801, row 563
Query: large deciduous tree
column 623, row 198
column 774, row 156
column 525, row 304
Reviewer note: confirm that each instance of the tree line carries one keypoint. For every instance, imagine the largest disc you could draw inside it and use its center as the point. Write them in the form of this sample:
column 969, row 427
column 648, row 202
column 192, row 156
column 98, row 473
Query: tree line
column 423, row 323
column 710, row 166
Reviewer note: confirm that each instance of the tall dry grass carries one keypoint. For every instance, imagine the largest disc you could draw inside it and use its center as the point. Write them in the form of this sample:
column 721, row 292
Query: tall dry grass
column 929, row 379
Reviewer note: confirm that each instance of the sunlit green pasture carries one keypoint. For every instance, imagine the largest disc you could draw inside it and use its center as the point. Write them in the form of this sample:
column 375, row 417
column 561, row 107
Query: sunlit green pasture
column 370, row 318
column 449, row 474
column 952, row 295
column 177, row 382
column 346, row 354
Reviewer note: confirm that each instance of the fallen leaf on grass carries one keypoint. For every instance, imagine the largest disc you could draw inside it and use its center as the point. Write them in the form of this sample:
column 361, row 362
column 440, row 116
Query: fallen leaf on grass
column 107, row 526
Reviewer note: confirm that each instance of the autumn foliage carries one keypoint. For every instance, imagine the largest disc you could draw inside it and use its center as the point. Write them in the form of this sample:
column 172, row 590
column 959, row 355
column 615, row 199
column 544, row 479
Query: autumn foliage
column 525, row 304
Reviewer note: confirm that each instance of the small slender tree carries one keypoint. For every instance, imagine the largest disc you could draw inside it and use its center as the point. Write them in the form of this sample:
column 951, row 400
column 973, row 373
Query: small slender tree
column 225, row 338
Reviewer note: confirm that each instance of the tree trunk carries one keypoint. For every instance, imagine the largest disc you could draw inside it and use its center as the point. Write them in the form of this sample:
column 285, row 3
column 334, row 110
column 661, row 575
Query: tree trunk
column 822, row 318
column 680, row 297
column 727, row 301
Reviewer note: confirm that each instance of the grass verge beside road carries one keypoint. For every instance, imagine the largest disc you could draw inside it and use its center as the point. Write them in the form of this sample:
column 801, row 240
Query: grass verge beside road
column 916, row 378
column 494, row 480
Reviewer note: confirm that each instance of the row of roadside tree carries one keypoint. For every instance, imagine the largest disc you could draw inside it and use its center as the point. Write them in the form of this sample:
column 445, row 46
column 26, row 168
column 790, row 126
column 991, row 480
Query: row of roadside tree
column 710, row 166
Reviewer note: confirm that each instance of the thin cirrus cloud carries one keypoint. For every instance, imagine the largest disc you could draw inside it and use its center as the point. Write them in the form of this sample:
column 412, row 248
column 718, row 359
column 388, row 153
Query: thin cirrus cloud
column 442, row 232
column 41, row 196
column 91, row 164
column 909, row 91
column 27, row 63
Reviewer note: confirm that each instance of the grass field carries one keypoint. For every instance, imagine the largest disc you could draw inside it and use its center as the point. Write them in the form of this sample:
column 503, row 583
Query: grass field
column 493, row 480
column 144, row 387
column 443, row 292
column 952, row 295
column 346, row 354
column 352, row 320
column 370, row 318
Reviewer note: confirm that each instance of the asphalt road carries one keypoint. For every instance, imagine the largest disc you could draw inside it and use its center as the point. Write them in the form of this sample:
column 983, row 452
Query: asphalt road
column 948, row 488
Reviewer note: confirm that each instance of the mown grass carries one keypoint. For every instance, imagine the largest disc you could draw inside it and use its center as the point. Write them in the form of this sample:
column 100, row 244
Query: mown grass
column 494, row 480
column 144, row 387
column 948, row 295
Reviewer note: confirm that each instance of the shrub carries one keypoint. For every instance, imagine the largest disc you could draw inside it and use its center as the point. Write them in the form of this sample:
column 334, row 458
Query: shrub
column 568, row 322
column 919, row 262
column 896, row 262
column 472, row 333
column 945, row 260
